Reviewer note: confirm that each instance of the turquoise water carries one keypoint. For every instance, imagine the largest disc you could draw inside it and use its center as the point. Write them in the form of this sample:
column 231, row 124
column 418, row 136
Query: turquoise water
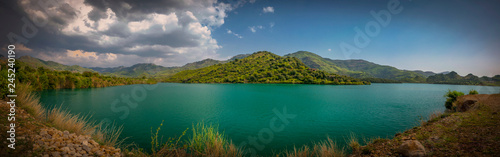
column 265, row 117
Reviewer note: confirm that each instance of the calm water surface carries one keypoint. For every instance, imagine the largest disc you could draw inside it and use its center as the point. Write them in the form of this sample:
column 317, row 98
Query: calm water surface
column 243, row 111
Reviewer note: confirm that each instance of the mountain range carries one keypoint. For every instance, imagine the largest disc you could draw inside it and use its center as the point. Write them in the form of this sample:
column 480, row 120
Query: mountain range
column 358, row 68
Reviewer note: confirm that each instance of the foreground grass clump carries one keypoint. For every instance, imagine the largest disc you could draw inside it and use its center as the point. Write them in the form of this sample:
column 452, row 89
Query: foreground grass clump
column 326, row 148
column 63, row 120
column 205, row 140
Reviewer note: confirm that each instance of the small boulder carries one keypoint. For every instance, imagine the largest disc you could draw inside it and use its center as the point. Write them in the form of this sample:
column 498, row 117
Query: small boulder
column 466, row 105
column 412, row 148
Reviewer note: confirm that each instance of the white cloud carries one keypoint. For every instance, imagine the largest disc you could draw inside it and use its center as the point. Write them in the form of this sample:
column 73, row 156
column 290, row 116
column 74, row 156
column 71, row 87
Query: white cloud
column 268, row 9
column 252, row 1
column 231, row 32
column 329, row 49
column 254, row 29
column 271, row 25
column 175, row 37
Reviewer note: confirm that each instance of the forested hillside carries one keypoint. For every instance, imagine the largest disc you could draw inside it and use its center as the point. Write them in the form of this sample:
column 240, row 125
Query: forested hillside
column 42, row 78
column 35, row 63
column 454, row 78
column 262, row 67
column 357, row 68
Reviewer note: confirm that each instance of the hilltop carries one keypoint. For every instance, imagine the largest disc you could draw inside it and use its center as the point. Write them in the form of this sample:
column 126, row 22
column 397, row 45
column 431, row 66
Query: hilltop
column 262, row 67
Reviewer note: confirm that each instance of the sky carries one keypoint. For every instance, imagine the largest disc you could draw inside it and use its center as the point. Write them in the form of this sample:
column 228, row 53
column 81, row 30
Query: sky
column 452, row 35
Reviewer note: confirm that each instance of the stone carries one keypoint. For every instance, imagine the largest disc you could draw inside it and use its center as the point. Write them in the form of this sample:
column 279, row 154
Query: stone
column 86, row 148
column 466, row 105
column 66, row 132
column 85, row 143
column 412, row 148
column 56, row 153
column 43, row 132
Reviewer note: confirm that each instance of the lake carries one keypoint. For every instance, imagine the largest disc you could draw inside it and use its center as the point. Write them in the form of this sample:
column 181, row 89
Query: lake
column 276, row 116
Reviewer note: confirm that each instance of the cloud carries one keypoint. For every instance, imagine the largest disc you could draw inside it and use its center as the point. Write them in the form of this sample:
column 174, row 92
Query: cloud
column 167, row 32
column 268, row 9
column 231, row 32
column 254, row 29
column 329, row 49
column 252, row 1
column 271, row 25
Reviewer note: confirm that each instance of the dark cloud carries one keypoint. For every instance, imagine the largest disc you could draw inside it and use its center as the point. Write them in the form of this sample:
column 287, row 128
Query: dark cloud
column 165, row 30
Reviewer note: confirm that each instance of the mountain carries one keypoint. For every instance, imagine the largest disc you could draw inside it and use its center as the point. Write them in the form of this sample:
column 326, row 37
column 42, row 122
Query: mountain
column 153, row 70
column 317, row 62
column 262, row 67
column 35, row 63
column 470, row 79
column 240, row 56
column 357, row 68
column 137, row 70
column 424, row 73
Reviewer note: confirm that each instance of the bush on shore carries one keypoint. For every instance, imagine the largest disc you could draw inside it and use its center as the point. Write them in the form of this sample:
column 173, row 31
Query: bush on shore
column 451, row 97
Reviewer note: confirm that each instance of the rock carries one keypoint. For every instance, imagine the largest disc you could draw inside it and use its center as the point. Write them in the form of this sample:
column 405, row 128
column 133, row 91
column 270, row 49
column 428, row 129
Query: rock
column 86, row 148
column 65, row 149
column 466, row 105
column 412, row 148
column 85, row 143
column 43, row 132
column 56, row 154
column 66, row 132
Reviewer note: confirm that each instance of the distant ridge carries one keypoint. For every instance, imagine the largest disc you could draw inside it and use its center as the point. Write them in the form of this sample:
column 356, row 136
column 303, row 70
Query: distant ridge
column 357, row 68
column 35, row 63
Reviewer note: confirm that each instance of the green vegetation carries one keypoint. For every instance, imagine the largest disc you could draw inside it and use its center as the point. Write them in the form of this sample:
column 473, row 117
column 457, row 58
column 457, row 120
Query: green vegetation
column 36, row 63
column 454, row 78
column 326, row 148
column 262, row 67
column 42, row 78
column 473, row 92
column 153, row 71
column 380, row 80
column 357, row 68
column 451, row 97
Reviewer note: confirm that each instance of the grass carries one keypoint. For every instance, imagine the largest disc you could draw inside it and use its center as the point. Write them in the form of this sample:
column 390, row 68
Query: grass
column 207, row 141
column 64, row 120
column 326, row 148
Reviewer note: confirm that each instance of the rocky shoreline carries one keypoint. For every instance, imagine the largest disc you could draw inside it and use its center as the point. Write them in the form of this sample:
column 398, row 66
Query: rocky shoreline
column 53, row 142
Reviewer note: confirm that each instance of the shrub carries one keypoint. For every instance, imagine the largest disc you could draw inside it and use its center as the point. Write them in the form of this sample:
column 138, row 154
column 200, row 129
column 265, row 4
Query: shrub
column 451, row 97
column 473, row 92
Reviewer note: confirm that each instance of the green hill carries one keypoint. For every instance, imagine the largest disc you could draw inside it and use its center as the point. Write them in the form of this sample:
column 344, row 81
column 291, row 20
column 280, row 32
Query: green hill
column 357, row 68
column 137, row 70
column 35, row 63
column 261, row 67
column 425, row 73
column 470, row 79
column 152, row 70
